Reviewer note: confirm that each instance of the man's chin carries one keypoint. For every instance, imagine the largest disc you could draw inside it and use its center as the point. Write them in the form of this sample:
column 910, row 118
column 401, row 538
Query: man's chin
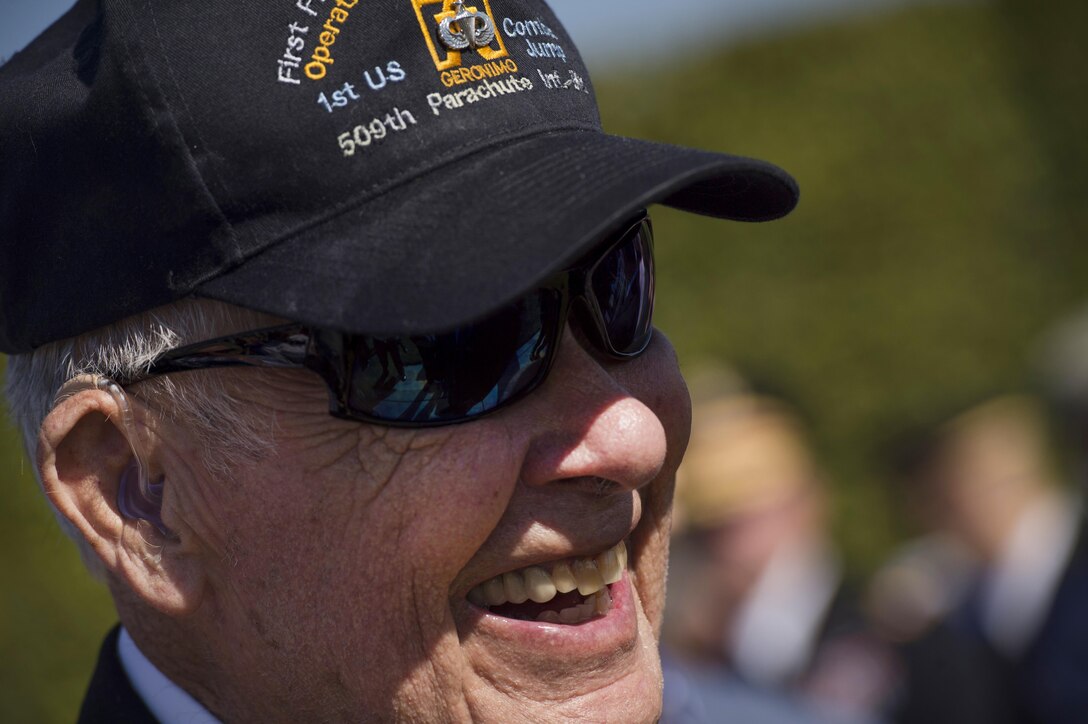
column 633, row 698
column 606, row 668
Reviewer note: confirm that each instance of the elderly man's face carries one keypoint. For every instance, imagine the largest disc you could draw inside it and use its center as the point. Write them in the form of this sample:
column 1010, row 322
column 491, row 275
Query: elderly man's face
column 340, row 567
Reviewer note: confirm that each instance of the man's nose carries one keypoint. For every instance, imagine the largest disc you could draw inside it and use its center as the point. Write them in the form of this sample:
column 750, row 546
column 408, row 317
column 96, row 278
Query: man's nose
column 588, row 424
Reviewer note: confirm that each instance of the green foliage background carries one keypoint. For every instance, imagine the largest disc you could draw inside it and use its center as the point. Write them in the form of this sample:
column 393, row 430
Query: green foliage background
column 942, row 159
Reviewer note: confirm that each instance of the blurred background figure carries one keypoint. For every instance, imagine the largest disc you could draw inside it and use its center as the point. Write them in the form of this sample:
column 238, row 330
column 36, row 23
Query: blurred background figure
column 1053, row 670
column 760, row 609
column 757, row 605
column 1001, row 558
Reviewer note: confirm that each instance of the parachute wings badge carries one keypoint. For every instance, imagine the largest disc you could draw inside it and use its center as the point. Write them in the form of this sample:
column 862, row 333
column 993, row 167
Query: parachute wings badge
column 467, row 29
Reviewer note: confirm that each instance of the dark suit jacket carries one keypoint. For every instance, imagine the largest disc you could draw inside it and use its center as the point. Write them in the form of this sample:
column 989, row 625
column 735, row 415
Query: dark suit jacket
column 1048, row 682
column 1051, row 678
column 110, row 697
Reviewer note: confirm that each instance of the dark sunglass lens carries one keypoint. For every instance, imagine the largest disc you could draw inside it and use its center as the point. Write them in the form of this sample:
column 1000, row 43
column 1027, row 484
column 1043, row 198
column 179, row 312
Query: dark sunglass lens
column 459, row 374
column 623, row 289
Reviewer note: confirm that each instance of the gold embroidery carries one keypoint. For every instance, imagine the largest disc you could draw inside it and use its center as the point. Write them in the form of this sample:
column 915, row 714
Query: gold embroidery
column 452, row 58
column 322, row 56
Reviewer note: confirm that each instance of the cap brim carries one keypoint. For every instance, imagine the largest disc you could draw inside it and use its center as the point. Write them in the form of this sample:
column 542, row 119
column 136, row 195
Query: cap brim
column 458, row 242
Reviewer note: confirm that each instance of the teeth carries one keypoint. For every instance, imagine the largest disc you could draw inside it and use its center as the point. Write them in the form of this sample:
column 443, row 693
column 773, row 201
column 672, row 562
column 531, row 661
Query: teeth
column 590, row 576
column 514, row 586
column 603, row 602
column 494, row 593
column 570, row 615
column 563, row 578
column 608, row 563
column 539, row 584
column 597, row 605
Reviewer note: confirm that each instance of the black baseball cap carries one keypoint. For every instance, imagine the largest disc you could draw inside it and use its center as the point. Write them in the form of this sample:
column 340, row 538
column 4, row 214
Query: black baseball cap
column 377, row 166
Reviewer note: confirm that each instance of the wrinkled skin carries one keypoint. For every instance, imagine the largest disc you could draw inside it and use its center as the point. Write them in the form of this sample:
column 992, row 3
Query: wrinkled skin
column 328, row 581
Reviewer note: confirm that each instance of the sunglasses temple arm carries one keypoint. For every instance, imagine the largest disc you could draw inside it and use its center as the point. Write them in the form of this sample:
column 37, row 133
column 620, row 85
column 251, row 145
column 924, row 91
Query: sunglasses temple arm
column 276, row 348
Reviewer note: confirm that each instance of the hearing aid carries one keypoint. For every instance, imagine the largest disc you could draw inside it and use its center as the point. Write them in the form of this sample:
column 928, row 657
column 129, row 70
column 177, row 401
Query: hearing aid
column 138, row 498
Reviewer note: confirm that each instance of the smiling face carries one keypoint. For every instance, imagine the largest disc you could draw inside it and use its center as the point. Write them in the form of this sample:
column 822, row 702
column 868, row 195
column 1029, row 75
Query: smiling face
column 366, row 571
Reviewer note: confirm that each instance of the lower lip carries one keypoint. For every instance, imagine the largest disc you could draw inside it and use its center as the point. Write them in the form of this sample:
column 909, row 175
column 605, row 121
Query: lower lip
column 600, row 635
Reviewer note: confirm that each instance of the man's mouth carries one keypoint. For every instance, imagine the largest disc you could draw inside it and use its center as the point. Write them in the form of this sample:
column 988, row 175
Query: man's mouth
column 568, row 592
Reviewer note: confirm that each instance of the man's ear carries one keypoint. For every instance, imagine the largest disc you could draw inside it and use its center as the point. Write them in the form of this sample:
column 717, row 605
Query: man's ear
column 85, row 450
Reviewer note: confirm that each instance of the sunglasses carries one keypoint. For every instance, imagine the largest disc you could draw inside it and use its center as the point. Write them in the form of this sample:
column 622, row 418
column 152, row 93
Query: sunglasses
column 441, row 379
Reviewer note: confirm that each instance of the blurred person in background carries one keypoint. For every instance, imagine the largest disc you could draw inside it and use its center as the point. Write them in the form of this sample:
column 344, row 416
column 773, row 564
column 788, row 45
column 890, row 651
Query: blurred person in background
column 761, row 607
column 1001, row 560
column 1054, row 670
column 759, row 603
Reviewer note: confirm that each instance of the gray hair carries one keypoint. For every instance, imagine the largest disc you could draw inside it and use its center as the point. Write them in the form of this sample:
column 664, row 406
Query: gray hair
column 126, row 348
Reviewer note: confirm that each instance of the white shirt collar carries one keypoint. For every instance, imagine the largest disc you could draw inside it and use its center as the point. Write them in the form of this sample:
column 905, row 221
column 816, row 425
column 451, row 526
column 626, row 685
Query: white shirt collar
column 167, row 701
column 1018, row 592
column 773, row 636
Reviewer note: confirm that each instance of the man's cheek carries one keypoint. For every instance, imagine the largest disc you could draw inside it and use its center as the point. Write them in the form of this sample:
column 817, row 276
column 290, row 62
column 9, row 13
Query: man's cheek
column 450, row 501
column 651, row 543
